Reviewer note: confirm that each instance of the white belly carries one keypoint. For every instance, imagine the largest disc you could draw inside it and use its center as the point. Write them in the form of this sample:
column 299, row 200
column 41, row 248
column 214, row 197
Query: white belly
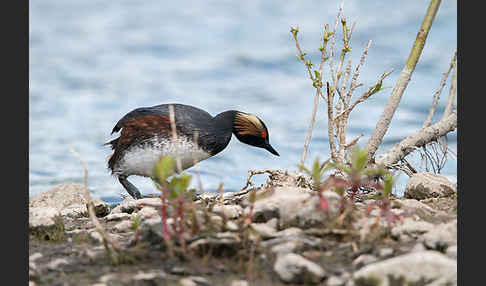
column 140, row 160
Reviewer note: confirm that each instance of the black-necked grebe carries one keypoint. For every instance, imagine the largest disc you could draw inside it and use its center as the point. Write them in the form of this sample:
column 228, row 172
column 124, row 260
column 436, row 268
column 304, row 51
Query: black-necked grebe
column 146, row 136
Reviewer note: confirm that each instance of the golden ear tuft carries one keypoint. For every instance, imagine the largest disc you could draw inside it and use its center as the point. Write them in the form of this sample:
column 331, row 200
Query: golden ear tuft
column 248, row 124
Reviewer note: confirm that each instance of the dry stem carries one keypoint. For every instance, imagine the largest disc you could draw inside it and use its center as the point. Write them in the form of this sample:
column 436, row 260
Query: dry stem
column 110, row 246
column 174, row 136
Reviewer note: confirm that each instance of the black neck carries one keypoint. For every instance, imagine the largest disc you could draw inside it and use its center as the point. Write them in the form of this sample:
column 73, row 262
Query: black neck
column 221, row 130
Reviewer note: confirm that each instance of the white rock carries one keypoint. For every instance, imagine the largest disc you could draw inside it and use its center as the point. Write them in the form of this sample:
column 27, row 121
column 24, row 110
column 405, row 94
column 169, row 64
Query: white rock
column 364, row 259
column 441, row 236
column 35, row 256
column 286, row 247
column 128, row 205
column 293, row 268
column 231, row 226
column 187, row 282
column 229, row 211
column 122, row 226
column 43, row 216
column 427, row 185
column 294, row 207
column 154, row 202
column 117, row 216
column 409, row 269
column 54, row 264
column 411, row 228
column 384, row 252
column 290, row 231
column 75, row 211
column 264, row 230
column 239, row 283
column 335, row 281
column 68, row 197
column 147, row 213
column 452, row 251
column 45, row 223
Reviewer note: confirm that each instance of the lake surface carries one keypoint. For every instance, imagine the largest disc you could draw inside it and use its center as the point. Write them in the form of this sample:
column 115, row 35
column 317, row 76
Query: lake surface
column 91, row 62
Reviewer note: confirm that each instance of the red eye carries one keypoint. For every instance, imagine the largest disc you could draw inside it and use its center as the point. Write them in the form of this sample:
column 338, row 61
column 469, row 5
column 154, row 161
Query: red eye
column 264, row 134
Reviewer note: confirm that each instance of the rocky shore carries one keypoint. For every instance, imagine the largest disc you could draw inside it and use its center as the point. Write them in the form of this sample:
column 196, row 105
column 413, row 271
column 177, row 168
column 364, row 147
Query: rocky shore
column 280, row 235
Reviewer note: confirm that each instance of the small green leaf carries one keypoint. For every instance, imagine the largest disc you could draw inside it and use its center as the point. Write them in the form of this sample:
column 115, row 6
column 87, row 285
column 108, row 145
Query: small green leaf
column 389, row 181
column 359, row 159
column 164, row 168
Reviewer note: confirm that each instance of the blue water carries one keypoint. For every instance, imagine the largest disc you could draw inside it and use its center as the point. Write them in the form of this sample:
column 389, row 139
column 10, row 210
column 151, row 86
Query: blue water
column 91, row 62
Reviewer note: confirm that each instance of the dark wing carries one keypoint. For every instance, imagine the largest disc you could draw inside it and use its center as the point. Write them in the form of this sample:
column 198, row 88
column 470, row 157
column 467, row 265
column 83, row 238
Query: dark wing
column 137, row 128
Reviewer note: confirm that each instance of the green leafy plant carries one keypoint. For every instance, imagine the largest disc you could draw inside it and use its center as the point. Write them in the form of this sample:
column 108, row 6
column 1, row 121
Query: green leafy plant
column 176, row 200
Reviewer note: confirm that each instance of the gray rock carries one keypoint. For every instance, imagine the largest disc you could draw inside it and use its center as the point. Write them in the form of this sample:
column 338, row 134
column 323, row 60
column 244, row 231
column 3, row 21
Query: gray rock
column 428, row 185
column 293, row 268
column 294, row 207
column 417, row 268
column 45, row 223
column 441, row 236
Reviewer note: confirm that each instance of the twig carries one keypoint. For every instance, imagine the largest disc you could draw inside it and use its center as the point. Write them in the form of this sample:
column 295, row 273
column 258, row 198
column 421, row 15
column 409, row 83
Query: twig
column 452, row 91
column 435, row 100
column 354, row 83
column 365, row 96
column 418, row 139
column 405, row 75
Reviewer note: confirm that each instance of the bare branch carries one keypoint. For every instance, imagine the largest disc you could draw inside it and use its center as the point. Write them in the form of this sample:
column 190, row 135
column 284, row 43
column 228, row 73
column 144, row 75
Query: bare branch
column 365, row 95
column 435, row 101
column 452, row 91
column 354, row 83
column 405, row 75
column 419, row 139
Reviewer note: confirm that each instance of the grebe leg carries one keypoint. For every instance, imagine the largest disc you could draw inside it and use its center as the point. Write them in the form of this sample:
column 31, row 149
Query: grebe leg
column 131, row 189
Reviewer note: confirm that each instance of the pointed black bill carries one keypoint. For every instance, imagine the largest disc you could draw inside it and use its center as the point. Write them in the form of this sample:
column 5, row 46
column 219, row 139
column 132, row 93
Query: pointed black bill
column 271, row 150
